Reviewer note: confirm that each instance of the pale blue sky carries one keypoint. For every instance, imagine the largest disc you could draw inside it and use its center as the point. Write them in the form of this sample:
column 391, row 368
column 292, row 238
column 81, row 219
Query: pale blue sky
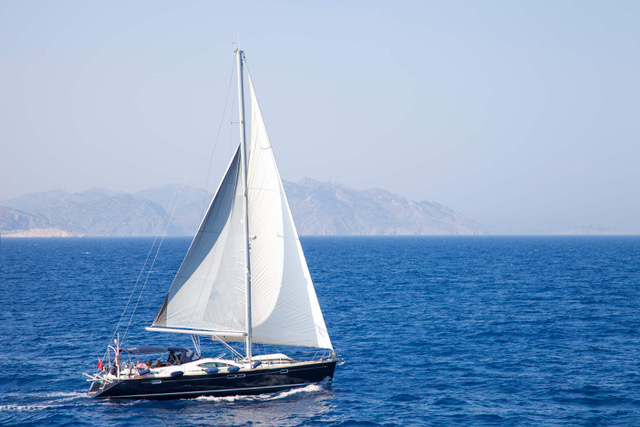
column 522, row 115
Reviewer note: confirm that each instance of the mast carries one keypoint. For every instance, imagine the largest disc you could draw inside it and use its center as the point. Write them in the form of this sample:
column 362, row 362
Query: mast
column 243, row 150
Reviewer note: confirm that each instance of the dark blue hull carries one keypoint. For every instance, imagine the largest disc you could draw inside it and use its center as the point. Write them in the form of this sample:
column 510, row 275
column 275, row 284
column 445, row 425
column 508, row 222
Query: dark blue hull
column 255, row 381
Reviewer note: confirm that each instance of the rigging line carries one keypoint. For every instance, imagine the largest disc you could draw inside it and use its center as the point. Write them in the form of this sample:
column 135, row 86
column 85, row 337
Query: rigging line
column 233, row 350
column 130, row 296
column 166, row 221
column 196, row 344
column 215, row 144
column 173, row 205
column 162, row 232
column 210, row 267
column 144, row 284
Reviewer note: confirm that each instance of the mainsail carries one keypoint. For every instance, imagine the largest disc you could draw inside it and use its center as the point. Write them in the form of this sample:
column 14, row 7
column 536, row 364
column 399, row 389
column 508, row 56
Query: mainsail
column 208, row 295
column 208, row 292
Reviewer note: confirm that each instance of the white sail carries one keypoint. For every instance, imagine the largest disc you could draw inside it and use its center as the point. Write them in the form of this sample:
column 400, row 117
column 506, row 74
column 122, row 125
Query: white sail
column 285, row 308
column 208, row 293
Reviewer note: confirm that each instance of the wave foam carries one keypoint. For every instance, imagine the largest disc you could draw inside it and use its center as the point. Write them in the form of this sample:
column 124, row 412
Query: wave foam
column 21, row 408
column 311, row 388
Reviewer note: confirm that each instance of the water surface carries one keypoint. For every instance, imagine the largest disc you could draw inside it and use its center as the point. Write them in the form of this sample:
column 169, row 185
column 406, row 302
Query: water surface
column 433, row 330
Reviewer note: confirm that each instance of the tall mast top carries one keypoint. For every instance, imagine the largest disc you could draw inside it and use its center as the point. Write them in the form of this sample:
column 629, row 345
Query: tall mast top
column 240, row 57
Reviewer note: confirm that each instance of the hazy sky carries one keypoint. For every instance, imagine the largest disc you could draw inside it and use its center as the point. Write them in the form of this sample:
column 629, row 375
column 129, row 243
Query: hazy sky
column 522, row 115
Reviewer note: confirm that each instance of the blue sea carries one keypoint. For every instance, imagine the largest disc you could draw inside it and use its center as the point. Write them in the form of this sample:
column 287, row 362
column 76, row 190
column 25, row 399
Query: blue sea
column 433, row 331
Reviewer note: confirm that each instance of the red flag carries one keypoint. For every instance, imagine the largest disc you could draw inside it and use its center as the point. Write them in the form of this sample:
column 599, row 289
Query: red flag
column 99, row 365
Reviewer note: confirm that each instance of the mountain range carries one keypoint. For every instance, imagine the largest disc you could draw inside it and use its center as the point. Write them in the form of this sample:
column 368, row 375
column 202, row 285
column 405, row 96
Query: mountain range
column 319, row 208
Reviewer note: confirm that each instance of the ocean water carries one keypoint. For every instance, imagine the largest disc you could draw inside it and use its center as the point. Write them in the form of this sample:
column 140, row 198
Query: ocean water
column 433, row 331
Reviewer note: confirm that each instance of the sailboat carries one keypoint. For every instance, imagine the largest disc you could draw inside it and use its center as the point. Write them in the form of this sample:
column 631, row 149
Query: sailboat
column 243, row 279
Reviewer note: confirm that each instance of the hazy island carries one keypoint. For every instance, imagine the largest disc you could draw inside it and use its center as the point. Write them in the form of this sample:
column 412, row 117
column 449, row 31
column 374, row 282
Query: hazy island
column 319, row 208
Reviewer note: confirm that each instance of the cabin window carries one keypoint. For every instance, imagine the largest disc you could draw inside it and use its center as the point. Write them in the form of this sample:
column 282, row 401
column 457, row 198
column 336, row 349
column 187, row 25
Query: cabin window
column 214, row 365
